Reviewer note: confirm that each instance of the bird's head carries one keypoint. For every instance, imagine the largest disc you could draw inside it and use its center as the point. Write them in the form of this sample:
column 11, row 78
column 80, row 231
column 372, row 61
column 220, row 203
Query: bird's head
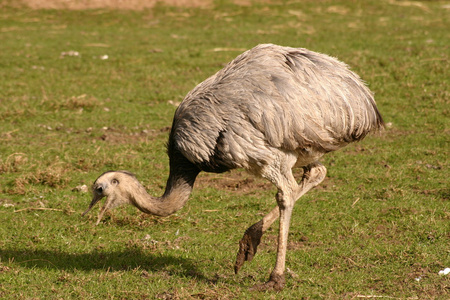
column 112, row 185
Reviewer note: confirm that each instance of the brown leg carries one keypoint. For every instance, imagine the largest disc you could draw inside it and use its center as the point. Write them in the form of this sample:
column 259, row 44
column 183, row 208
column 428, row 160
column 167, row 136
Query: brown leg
column 252, row 237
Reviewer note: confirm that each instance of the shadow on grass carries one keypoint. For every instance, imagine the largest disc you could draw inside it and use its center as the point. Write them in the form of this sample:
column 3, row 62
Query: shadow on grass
column 97, row 260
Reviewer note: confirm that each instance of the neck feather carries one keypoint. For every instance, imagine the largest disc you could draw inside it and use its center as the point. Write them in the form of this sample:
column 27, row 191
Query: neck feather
column 178, row 189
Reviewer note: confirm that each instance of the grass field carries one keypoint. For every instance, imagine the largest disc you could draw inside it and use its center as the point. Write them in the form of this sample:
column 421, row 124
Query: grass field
column 86, row 91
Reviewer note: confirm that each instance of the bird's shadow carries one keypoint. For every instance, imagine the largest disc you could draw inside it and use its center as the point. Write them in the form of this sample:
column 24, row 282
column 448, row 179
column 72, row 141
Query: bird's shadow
column 129, row 259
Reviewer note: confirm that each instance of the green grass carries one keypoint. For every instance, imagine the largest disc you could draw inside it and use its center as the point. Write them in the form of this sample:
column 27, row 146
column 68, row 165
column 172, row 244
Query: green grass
column 378, row 223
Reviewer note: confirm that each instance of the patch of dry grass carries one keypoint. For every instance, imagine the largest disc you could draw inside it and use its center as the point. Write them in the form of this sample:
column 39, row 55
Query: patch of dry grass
column 13, row 163
column 52, row 176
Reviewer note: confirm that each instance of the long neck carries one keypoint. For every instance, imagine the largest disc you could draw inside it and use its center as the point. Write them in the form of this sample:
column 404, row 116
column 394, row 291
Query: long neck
column 179, row 186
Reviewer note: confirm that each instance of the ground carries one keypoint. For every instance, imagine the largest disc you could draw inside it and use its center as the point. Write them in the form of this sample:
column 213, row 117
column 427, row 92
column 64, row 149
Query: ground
column 118, row 4
column 87, row 91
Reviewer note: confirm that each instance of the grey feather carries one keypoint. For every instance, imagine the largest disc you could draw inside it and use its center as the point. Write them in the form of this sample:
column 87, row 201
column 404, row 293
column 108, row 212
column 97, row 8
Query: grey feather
column 273, row 96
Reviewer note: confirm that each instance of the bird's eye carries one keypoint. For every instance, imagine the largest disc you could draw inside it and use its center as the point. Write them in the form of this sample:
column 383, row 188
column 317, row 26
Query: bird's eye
column 115, row 181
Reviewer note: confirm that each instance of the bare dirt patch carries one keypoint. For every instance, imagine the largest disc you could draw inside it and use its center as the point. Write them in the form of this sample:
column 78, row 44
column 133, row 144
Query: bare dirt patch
column 122, row 4
column 111, row 4
column 118, row 136
column 236, row 180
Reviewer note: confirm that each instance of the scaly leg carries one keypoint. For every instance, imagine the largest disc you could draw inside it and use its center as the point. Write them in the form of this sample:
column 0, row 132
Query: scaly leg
column 313, row 175
column 276, row 279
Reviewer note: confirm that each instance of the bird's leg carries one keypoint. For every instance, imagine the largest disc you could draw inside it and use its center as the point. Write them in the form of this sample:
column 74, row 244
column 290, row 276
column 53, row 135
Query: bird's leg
column 252, row 237
column 276, row 281
column 286, row 205
column 313, row 174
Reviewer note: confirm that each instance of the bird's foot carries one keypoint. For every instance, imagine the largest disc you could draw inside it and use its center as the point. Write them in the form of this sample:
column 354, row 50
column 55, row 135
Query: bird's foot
column 248, row 245
column 275, row 283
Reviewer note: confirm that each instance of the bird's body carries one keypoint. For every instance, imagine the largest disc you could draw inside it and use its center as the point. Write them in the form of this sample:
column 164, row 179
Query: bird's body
column 268, row 110
column 269, row 98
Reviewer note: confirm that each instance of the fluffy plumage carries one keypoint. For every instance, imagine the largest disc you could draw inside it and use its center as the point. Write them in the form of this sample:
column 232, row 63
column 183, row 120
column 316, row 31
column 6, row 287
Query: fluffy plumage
column 268, row 110
column 273, row 96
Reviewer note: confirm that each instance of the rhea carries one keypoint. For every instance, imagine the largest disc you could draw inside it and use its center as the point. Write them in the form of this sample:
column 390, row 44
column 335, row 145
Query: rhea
column 268, row 110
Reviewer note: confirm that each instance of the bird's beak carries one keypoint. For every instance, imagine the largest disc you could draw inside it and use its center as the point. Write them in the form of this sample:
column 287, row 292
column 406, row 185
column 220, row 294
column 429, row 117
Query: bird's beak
column 94, row 201
column 97, row 197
